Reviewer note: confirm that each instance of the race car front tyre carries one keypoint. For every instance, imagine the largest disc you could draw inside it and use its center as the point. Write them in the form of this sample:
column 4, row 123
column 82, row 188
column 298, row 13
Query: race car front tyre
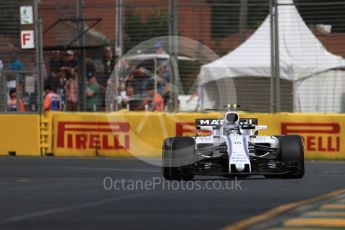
column 292, row 155
column 178, row 158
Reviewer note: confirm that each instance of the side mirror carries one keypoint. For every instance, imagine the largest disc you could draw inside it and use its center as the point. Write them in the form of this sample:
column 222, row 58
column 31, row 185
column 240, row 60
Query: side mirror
column 204, row 131
column 260, row 127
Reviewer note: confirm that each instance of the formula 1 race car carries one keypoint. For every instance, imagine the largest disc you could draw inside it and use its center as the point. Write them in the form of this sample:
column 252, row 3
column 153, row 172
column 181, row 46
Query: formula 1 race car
column 233, row 148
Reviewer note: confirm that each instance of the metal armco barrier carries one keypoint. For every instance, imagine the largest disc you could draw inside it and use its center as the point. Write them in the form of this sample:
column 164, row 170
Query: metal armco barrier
column 141, row 134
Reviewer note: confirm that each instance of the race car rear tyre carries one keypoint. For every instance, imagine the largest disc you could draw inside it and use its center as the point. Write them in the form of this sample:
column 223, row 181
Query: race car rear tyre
column 169, row 172
column 292, row 155
column 178, row 158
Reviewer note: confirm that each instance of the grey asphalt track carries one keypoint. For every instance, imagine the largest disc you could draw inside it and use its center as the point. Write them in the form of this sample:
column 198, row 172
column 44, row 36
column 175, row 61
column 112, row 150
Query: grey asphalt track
column 69, row 193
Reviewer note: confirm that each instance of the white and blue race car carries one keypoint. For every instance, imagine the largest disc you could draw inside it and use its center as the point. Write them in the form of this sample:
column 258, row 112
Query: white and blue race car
column 232, row 149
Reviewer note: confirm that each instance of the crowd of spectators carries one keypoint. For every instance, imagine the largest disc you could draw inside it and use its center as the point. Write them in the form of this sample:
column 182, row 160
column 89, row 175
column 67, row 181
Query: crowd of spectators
column 142, row 89
column 15, row 82
column 64, row 80
column 140, row 86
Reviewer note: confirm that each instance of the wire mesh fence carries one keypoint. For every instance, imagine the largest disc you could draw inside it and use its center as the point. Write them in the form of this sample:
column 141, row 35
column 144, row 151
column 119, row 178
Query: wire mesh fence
column 323, row 91
column 78, row 41
column 18, row 85
column 81, row 54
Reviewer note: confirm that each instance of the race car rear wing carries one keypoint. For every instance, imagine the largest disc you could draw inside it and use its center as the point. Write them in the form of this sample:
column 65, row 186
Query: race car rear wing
column 248, row 126
column 213, row 122
column 247, row 123
column 212, row 125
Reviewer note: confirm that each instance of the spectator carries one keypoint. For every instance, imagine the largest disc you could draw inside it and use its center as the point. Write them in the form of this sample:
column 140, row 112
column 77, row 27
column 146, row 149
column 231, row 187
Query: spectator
column 12, row 102
column 108, row 62
column 166, row 96
column 122, row 98
column 159, row 48
column 1, row 67
column 129, row 91
column 55, row 64
column 71, row 89
column 197, row 92
column 30, row 97
column 58, row 83
column 163, row 72
column 52, row 101
column 108, row 65
column 92, row 93
column 90, row 66
column 90, row 70
column 15, row 64
column 139, row 79
column 153, row 101
column 69, row 62
column 125, row 70
column 125, row 95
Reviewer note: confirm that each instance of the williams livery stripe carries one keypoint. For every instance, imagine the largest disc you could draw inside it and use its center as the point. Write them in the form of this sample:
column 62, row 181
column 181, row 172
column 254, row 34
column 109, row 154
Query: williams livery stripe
column 245, row 145
column 229, row 144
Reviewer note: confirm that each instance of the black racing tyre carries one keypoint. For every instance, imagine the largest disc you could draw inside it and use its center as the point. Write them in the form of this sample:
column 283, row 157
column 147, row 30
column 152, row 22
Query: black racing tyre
column 292, row 152
column 272, row 176
column 169, row 172
column 178, row 158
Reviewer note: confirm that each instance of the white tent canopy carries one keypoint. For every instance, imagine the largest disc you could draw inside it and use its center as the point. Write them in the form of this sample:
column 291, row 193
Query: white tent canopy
column 301, row 53
column 324, row 92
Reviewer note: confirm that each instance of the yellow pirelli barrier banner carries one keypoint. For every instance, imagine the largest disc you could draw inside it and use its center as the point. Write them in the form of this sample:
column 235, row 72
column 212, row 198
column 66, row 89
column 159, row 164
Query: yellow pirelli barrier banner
column 117, row 134
column 323, row 134
column 20, row 134
column 141, row 134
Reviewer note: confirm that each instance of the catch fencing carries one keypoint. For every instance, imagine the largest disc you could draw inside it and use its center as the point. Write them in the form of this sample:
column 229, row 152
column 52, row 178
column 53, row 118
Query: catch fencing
column 18, row 72
column 88, row 38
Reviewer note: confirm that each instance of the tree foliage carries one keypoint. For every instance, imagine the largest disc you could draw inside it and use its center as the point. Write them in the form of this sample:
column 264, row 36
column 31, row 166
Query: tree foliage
column 137, row 30
column 9, row 17
column 226, row 18
column 330, row 12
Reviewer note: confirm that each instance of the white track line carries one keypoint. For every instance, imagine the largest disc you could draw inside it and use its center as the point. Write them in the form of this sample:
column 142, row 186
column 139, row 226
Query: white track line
column 68, row 208
column 327, row 162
